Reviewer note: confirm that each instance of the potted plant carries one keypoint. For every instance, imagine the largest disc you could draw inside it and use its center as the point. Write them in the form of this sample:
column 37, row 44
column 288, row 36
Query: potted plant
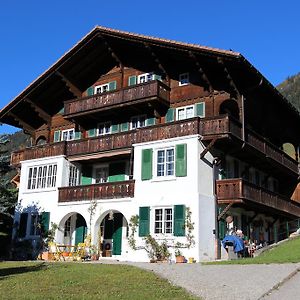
column 178, row 254
column 94, row 252
column 48, row 242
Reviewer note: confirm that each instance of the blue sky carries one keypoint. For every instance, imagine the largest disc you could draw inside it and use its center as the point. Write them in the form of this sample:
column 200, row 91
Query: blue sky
column 34, row 34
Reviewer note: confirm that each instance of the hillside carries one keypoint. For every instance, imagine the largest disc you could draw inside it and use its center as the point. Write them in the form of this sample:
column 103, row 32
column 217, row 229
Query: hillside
column 290, row 88
column 9, row 143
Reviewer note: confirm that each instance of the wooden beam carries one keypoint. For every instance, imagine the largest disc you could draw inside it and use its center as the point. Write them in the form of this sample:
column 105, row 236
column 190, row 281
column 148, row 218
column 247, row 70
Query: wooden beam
column 201, row 71
column 155, row 58
column 229, row 77
column 45, row 116
column 225, row 210
column 112, row 53
column 72, row 88
column 202, row 154
column 22, row 123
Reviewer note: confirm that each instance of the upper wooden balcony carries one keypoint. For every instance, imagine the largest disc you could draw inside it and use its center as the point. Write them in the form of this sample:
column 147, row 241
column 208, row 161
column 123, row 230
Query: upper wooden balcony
column 100, row 191
column 209, row 128
column 154, row 91
column 238, row 191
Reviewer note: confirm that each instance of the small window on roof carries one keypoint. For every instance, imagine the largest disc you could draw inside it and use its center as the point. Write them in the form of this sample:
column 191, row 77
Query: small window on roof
column 184, row 79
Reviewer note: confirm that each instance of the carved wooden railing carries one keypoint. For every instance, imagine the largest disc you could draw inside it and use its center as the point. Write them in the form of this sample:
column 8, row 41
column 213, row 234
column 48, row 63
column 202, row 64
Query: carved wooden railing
column 237, row 190
column 150, row 90
column 110, row 190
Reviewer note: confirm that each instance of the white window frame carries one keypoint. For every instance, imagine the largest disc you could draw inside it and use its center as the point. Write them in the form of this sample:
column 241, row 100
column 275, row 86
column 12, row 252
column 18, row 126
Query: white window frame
column 139, row 118
column 184, row 79
column 70, row 134
column 102, row 88
column 164, row 163
column 164, row 228
column 73, row 175
column 41, row 177
column 104, row 124
column 148, row 77
column 185, row 108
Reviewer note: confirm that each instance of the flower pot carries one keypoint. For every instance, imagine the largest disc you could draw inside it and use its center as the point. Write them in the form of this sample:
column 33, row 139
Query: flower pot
column 180, row 259
column 47, row 255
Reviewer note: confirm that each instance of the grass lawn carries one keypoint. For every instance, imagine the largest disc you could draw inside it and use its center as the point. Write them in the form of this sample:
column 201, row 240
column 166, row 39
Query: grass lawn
column 287, row 252
column 40, row 280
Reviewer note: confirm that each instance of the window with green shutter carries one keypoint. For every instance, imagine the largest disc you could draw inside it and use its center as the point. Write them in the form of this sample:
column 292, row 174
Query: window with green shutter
column 56, row 136
column 92, row 132
column 181, row 160
column 77, row 135
column 90, row 91
column 144, row 221
column 150, row 121
column 45, row 219
column 125, row 126
column 200, row 109
column 179, row 220
column 23, row 225
column 170, row 115
column 112, row 85
column 157, row 77
column 115, row 128
column 147, row 164
column 132, row 80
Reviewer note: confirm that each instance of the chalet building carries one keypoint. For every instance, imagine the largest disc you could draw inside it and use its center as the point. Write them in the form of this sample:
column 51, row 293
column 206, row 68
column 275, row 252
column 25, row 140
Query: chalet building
column 153, row 127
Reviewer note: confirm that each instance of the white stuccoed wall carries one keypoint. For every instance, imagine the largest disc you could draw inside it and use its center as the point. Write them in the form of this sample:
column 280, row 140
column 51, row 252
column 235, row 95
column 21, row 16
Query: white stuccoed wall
column 195, row 191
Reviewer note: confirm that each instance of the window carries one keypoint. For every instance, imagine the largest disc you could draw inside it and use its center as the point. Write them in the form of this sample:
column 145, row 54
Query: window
column 99, row 89
column 165, row 162
column 41, row 177
column 163, row 220
column 35, row 225
column 145, row 77
column 73, row 175
column 138, row 121
column 184, row 79
column 104, row 128
column 101, row 174
column 68, row 135
column 185, row 112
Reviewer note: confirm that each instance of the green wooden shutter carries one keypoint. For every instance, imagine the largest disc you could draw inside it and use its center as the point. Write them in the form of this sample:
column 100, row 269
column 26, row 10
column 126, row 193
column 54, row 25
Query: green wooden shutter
column 45, row 219
column 116, row 172
column 144, row 221
column 222, row 229
column 80, row 230
column 157, row 77
column 23, row 225
column 150, row 121
column 181, row 161
column 90, row 91
column 170, row 115
column 92, row 132
column 115, row 128
column 147, row 164
column 86, row 175
column 200, row 109
column 112, row 85
column 77, row 135
column 179, row 220
column 117, row 235
column 125, row 126
column 56, row 136
column 132, row 80
column 62, row 111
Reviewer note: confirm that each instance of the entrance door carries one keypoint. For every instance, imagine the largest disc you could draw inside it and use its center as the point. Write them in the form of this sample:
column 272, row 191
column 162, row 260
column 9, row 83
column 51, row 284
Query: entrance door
column 117, row 234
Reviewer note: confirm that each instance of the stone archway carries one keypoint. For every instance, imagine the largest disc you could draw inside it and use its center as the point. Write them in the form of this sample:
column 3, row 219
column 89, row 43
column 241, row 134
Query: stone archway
column 73, row 229
column 110, row 229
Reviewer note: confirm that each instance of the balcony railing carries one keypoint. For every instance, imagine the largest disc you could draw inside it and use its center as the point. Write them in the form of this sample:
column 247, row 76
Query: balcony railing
column 150, row 91
column 207, row 127
column 110, row 190
column 238, row 190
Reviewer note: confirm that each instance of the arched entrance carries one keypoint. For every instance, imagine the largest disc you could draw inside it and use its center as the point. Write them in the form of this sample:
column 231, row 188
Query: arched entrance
column 74, row 229
column 229, row 107
column 111, row 228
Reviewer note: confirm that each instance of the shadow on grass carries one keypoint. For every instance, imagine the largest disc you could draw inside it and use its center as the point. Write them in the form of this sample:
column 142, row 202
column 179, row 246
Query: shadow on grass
column 5, row 272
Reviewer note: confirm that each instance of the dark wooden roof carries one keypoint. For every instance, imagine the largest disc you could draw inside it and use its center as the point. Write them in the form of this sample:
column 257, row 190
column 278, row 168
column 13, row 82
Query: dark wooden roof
column 103, row 48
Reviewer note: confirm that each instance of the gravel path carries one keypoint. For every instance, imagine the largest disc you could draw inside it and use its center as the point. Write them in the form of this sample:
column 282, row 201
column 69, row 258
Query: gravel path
column 240, row 282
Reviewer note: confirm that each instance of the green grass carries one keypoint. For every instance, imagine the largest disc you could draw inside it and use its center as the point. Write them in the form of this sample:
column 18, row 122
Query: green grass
column 287, row 252
column 40, row 280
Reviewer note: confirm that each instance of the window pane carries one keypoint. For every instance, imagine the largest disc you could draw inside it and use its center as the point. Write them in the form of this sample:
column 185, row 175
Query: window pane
column 54, row 176
column 34, row 178
column 189, row 112
column 170, row 162
column 29, row 178
column 181, row 114
column 158, row 221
